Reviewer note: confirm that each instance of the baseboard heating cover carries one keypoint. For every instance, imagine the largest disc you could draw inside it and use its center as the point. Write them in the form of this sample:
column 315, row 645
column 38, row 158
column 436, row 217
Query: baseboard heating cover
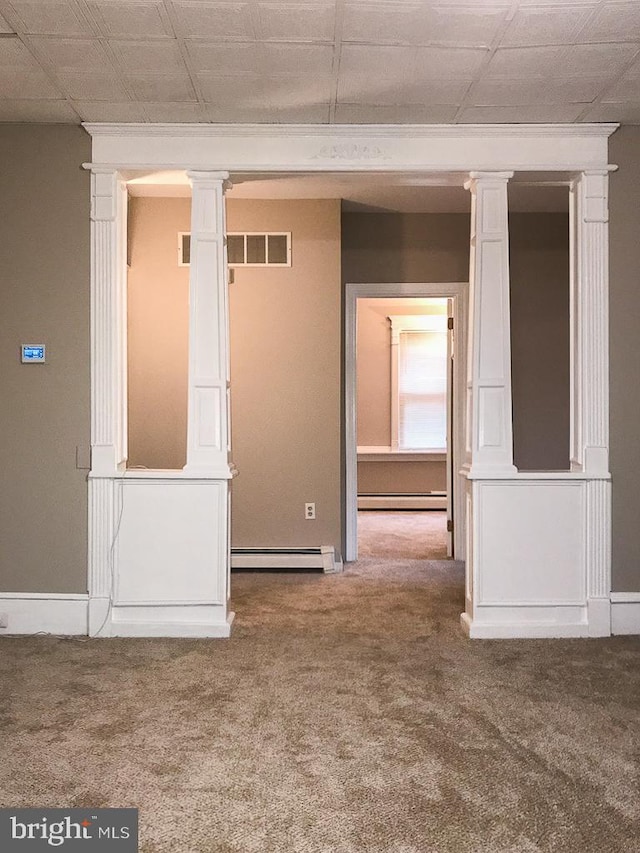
column 322, row 557
column 432, row 500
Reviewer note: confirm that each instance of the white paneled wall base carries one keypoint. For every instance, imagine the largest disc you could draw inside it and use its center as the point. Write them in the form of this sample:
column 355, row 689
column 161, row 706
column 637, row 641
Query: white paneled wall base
column 537, row 543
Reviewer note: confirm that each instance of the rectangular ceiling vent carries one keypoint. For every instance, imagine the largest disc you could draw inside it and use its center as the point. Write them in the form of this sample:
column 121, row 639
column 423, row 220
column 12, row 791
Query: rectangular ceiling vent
column 251, row 249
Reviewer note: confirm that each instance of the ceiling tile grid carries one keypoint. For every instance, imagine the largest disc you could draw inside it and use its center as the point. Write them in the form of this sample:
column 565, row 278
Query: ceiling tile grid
column 378, row 61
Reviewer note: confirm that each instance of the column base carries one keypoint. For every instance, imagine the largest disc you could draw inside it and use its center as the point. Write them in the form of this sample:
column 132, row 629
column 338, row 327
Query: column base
column 207, row 621
column 522, row 623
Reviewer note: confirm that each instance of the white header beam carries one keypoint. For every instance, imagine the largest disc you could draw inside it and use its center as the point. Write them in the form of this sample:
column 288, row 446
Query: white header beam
column 364, row 148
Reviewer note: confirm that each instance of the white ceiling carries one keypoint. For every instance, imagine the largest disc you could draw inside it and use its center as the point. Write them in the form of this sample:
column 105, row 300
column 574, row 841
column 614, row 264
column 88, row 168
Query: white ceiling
column 324, row 61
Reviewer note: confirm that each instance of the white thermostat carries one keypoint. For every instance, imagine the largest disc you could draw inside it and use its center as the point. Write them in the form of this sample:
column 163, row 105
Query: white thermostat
column 33, row 353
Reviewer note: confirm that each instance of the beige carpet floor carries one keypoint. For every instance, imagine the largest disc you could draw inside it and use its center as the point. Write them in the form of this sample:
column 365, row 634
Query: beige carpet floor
column 346, row 714
column 403, row 535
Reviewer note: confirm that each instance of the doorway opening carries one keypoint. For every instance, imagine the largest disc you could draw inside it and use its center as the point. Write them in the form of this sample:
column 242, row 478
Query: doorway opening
column 403, row 392
column 404, row 375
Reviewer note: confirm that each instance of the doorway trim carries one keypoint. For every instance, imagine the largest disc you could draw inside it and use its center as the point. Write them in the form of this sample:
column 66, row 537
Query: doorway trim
column 458, row 292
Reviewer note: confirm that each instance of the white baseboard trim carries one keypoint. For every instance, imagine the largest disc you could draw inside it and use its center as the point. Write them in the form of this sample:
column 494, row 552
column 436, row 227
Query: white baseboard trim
column 625, row 613
column 528, row 630
column 323, row 557
column 119, row 626
column 43, row 613
column 402, row 502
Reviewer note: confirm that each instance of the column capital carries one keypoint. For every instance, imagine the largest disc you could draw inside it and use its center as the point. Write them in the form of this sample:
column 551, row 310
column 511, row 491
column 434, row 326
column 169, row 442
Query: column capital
column 204, row 177
column 487, row 177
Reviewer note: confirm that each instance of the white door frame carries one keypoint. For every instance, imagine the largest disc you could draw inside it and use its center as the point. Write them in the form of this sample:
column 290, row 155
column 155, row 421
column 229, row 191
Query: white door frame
column 458, row 293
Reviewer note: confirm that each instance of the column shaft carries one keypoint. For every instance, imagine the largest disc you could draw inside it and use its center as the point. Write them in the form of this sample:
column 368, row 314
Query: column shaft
column 207, row 432
column 489, row 406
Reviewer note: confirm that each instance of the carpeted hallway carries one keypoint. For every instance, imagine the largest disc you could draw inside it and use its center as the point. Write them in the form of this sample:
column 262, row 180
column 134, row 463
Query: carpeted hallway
column 347, row 714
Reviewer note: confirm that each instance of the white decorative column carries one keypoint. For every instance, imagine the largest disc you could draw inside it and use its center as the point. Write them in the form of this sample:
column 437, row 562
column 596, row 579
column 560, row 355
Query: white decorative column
column 207, row 434
column 590, row 382
column 489, row 422
column 108, row 381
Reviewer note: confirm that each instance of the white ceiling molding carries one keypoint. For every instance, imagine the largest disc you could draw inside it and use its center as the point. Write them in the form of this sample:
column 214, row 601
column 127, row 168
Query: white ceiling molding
column 348, row 148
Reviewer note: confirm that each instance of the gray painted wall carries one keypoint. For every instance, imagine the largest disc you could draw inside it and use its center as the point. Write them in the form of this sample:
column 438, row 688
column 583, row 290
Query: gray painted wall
column 44, row 294
column 624, row 211
column 44, row 413
column 539, row 278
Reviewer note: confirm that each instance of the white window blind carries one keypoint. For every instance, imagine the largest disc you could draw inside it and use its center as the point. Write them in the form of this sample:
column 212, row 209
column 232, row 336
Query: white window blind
column 422, row 390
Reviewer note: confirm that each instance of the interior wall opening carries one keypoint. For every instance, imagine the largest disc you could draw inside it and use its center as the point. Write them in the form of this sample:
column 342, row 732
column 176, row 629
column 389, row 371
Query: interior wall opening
column 157, row 330
column 539, row 277
column 403, row 390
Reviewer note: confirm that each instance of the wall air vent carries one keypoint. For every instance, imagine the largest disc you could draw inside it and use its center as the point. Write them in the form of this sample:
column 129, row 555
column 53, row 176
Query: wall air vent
column 253, row 249
column 259, row 249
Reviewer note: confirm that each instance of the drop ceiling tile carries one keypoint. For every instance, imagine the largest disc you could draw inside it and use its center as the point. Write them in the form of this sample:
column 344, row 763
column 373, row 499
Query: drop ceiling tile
column 268, row 59
column 375, row 23
column 598, row 59
column 393, row 114
column 436, row 62
column 634, row 69
column 139, row 19
column 5, row 27
column 626, row 113
column 546, row 25
column 37, row 111
column 613, row 22
column 374, row 59
column 15, row 54
column 309, row 114
column 92, row 86
column 297, row 21
column 519, row 92
column 162, row 87
column 17, row 83
column 625, row 90
column 363, row 89
column 547, row 113
column 174, row 112
column 244, row 92
column 297, row 92
column 225, row 59
column 72, row 54
column 161, row 56
column 298, row 59
column 464, row 25
column 213, row 20
column 252, row 92
column 52, row 17
column 105, row 111
column 525, row 61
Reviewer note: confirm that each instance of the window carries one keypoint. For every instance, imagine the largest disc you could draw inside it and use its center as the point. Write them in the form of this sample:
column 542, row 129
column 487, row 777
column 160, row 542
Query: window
column 419, row 382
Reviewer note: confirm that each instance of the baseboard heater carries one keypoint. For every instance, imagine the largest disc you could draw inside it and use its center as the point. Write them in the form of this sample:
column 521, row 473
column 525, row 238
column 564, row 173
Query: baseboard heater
column 323, row 557
column 422, row 500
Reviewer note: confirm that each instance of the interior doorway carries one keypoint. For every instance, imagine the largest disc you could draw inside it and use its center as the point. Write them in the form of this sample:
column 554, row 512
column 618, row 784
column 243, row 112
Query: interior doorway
column 405, row 460
column 403, row 392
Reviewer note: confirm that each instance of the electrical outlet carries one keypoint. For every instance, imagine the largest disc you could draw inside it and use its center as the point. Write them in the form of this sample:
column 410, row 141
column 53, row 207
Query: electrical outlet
column 4, row 620
column 309, row 511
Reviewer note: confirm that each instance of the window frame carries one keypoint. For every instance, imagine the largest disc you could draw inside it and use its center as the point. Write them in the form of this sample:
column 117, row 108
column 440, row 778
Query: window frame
column 402, row 323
